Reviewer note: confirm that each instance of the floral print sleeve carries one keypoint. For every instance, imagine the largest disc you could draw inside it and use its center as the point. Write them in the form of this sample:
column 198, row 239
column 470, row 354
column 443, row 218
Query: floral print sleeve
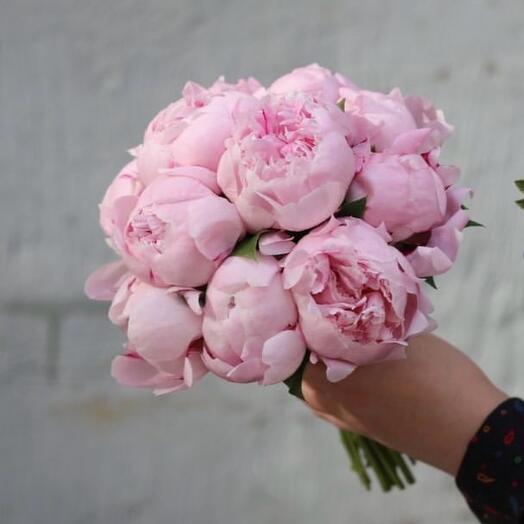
column 491, row 476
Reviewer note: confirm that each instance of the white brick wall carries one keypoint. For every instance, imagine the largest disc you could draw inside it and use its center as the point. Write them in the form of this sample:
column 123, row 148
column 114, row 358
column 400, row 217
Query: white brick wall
column 78, row 82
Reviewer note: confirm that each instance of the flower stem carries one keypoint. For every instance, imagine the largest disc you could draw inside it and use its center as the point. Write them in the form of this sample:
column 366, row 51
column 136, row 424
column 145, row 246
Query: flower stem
column 377, row 465
column 384, row 462
column 389, row 463
column 399, row 459
column 348, row 440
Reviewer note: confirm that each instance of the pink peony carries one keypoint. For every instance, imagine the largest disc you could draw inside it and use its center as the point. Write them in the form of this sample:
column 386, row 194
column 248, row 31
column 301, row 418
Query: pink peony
column 314, row 80
column 412, row 196
column 387, row 113
column 288, row 165
column 403, row 192
column 178, row 232
column 404, row 125
column 250, row 323
column 192, row 130
column 164, row 330
column 124, row 189
column 357, row 296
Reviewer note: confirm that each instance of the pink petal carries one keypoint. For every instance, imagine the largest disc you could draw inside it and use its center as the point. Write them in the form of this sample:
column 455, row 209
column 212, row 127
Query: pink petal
column 397, row 352
column 103, row 283
column 429, row 261
column 194, row 368
column 236, row 272
column 215, row 365
column 215, row 226
column 249, row 371
column 337, row 370
column 448, row 174
column 193, row 297
column 311, row 210
column 171, row 386
column 130, row 370
column 410, row 142
column 206, row 176
column 283, row 353
column 420, row 323
column 161, row 325
column 275, row 243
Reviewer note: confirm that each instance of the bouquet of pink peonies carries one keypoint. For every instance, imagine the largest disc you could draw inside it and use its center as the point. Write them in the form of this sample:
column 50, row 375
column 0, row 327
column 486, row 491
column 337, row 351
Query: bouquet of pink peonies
column 261, row 228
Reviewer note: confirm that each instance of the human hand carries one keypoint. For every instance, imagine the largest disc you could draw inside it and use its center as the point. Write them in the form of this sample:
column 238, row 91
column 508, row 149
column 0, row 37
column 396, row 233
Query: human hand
column 428, row 405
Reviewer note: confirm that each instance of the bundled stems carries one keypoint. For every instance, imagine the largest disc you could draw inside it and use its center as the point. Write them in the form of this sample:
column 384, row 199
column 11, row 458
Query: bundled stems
column 388, row 465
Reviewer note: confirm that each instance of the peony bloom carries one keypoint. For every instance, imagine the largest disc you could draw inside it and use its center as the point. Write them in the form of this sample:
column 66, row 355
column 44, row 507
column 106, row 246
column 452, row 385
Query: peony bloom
column 403, row 192
column 192, row 130
column 402, row 124
column 250, row 323
column 387, row 113
column 164, row 330
column 122, row 195
column 313, row 80
column 123, row 192
column 414, row 197
column 179, row 232
column 357, row 296
column 288, row 165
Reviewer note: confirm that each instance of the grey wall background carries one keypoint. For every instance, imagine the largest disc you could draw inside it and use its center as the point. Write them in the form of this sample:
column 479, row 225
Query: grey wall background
column 78, row 82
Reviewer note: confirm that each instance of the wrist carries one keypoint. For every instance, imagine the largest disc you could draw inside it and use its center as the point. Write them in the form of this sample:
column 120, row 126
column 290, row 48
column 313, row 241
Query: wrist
column 467, row 425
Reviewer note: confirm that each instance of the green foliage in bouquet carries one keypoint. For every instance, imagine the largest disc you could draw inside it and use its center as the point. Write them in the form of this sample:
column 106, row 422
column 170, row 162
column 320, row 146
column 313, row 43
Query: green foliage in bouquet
column 354, row 208
column 247, row 248
column 520, row 186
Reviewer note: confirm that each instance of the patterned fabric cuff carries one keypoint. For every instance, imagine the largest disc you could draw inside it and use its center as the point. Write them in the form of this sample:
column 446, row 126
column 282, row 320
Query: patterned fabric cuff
column 491, row 476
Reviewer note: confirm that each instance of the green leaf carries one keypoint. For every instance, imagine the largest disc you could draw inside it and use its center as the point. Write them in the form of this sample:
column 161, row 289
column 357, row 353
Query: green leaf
column 352, row 209
column 294, row 382
column 342, row 104
column 464, row 207
column 472, row 223
column 520, row 203
column 247, row 247
column 520, row 185
column 431, row 282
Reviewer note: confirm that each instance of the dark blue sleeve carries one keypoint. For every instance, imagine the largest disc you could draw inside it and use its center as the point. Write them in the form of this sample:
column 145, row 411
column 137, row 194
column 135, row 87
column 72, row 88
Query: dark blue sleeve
column 491, row 476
